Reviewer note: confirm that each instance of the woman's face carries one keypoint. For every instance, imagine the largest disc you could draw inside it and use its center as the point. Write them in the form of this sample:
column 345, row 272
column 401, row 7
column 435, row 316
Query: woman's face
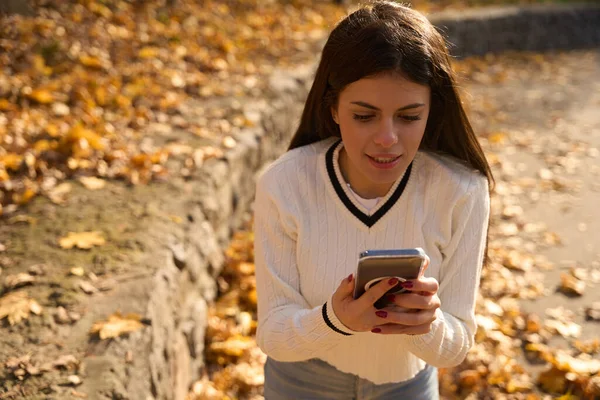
column 382, row 120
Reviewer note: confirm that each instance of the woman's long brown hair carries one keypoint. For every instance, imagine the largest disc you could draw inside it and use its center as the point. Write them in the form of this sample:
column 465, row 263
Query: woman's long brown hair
column 385, row 37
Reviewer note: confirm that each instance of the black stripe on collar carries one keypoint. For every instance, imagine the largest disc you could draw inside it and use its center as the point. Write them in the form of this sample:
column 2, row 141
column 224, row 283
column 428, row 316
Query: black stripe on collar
column 368, row 220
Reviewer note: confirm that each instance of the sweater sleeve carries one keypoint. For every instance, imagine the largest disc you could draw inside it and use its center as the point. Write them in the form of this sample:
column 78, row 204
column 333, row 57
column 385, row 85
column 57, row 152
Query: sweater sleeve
column 289, row 329
column 452, row 333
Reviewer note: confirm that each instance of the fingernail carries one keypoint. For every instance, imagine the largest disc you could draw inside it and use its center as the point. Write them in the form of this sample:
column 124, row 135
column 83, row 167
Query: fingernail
column 381, row 314
column 407, row 284
column 390, row 297
column 393, row 281
column 350, row 278
column 375, row 330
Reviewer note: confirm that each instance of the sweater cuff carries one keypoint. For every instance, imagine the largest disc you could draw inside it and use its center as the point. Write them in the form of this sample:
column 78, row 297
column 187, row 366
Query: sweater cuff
column 333, row 321
column 426, row 339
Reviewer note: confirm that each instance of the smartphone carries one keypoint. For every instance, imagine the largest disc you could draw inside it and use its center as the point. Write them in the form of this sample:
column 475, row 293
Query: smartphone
column 377, row 265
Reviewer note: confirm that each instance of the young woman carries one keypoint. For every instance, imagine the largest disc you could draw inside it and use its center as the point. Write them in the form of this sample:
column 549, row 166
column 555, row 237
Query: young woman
column 384, row 158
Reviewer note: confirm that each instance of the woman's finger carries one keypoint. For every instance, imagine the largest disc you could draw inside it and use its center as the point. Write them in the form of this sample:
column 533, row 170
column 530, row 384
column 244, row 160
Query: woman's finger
column 415, row 301
column 423, row 284
column 406, row 317
column 395, row 329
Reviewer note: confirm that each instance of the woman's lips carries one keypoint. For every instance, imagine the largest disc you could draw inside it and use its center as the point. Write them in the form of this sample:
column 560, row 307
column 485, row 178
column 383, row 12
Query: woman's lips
column 382, row 161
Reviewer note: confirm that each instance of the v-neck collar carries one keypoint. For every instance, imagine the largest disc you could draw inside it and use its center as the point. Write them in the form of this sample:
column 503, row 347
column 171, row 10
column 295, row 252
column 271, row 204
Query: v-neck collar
column 337, row 180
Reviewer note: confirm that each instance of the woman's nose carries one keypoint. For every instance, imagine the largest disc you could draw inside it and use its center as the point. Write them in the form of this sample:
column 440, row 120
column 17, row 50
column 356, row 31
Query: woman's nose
column 386, row 136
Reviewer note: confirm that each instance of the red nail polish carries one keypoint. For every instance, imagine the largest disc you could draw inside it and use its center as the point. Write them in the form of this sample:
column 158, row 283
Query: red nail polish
column 350, row 278
column 390, row 297
column 393, row 281
column 381, row 314
column 407, row 284
column 375, row 330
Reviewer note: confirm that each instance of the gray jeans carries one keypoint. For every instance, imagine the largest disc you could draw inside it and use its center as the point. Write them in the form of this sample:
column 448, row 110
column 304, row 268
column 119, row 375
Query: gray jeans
column 316, row 380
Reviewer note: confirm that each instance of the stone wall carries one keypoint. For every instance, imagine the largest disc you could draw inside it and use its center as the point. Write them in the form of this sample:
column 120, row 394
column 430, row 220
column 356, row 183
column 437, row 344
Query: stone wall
column 184, row 258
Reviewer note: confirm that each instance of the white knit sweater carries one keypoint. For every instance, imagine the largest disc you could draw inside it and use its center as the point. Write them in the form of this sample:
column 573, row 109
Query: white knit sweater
column 309, row 231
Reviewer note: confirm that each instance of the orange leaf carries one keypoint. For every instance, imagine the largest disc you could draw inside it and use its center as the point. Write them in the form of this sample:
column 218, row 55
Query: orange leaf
column 11, row 161
column 41, row 96
column 91, row 62
column 82, row 240
column 6, row 105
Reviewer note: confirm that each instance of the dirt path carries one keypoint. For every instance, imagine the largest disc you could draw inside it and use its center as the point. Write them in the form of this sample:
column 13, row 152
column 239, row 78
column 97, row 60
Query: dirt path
column 544, row 115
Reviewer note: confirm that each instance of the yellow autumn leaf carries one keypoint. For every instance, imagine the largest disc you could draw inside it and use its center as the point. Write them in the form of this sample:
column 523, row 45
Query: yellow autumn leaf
column 39, row 65
column 101, row 95
column 148, row 52
column 6, row 105
column 90, row 61
column 583, row 364
column 52, row 130
column 4, row 175
column 100, row 9
column 11, row 161
column 234, row 346
column 571, row 285
column 82, row 240
column 77, row 271
column 42, row 96
column 25, row 197
column 497, row 138
column 17, row 306
column 117, row 325
column 41, row 146
column 568, row 396
column 92, row 183
column 79, row 132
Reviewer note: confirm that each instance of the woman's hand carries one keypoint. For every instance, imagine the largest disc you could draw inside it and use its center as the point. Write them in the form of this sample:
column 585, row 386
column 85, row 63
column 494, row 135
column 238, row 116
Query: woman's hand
column 411, row 313
column 360, row 315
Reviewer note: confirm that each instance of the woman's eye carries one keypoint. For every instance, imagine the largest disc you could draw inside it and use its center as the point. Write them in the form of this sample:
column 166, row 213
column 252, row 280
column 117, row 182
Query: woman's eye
column 362, row 117
column 411, row 118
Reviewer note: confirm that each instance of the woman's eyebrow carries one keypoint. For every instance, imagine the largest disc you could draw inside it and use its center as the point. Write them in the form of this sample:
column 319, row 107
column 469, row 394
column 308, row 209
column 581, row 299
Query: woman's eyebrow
column 367, row 105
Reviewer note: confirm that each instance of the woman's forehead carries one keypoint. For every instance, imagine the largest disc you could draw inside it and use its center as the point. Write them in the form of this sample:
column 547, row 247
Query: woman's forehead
column 385, row 87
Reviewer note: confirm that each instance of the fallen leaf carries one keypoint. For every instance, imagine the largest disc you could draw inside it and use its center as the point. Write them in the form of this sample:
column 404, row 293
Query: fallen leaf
column 74, row 380
column 92, row 183
column 563, row 328
column 16, row 306
column 41, row 96
column 205, row 389
column 235, row 346
column 571, row 285
column 77, row 271
column 583, row 364
column 58, row 193
column 67, row 361
column 18, row 280
column 593, row 312
column 82, row 240
column 117, row 325
column 87, row 287
column 229, row 142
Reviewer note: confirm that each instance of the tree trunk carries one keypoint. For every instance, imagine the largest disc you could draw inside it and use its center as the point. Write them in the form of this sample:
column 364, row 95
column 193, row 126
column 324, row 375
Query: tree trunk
column 15, row 7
